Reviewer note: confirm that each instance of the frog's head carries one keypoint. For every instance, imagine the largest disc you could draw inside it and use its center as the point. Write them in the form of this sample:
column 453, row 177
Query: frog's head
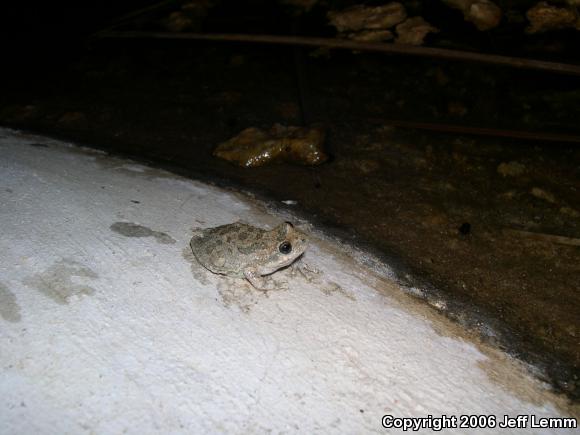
column 290, row 244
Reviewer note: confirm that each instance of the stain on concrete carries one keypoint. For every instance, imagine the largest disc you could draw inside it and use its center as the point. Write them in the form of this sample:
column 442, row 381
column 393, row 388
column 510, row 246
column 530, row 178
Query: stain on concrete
column 56, row 282
column 238, row 293
column 331, row 287
column 232, row 291
column 200, row 273
column 9, row 308
column 39, row 145
column 134, row 169
column 9, row 191
column 129, row 229
column 516, row 378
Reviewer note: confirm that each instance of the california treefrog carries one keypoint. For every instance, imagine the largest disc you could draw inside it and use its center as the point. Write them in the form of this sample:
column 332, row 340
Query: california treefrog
column 241, row 250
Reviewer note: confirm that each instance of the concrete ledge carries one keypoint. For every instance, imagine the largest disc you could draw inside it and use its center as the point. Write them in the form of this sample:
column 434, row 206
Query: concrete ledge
column 107, row 325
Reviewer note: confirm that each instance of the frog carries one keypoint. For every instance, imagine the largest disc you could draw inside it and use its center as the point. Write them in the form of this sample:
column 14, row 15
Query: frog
column 244, row 251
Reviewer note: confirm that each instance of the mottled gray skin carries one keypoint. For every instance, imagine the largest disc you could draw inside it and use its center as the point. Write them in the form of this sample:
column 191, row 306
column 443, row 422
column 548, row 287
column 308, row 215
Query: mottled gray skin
column 241, row 250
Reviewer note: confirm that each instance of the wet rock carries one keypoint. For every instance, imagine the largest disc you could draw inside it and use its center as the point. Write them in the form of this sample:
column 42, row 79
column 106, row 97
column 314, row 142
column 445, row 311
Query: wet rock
column 543, row 194
column 360, row 17
column 544, row 16
column 255, row 147
column 511, row 169
column 413, row 31
column 484, row 14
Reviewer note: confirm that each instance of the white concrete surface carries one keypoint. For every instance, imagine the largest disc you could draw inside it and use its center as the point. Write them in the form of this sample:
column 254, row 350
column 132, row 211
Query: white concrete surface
column 105, row 333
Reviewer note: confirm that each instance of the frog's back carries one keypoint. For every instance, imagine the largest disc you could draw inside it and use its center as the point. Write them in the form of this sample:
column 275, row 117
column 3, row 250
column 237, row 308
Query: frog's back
column 223, row 249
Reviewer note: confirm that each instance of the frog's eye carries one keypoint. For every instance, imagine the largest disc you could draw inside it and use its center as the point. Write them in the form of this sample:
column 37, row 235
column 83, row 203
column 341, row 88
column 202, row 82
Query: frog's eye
column 285, row 247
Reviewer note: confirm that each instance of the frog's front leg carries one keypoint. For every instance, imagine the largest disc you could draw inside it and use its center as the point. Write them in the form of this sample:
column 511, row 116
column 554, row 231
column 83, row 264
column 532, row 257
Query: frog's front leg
column 309, row 273
column 260, row 283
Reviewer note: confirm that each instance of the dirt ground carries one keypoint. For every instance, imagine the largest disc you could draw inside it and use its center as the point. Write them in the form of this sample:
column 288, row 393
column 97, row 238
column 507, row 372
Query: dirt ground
column 444, row 206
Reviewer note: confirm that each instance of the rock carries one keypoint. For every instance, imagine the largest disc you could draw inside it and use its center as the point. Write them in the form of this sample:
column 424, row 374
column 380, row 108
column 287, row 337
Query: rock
column 543, row 194
column 511, row 169
column 544, row 16
column 362, row 17
column 484, row 14
column 413, row 31
column 255, row 147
